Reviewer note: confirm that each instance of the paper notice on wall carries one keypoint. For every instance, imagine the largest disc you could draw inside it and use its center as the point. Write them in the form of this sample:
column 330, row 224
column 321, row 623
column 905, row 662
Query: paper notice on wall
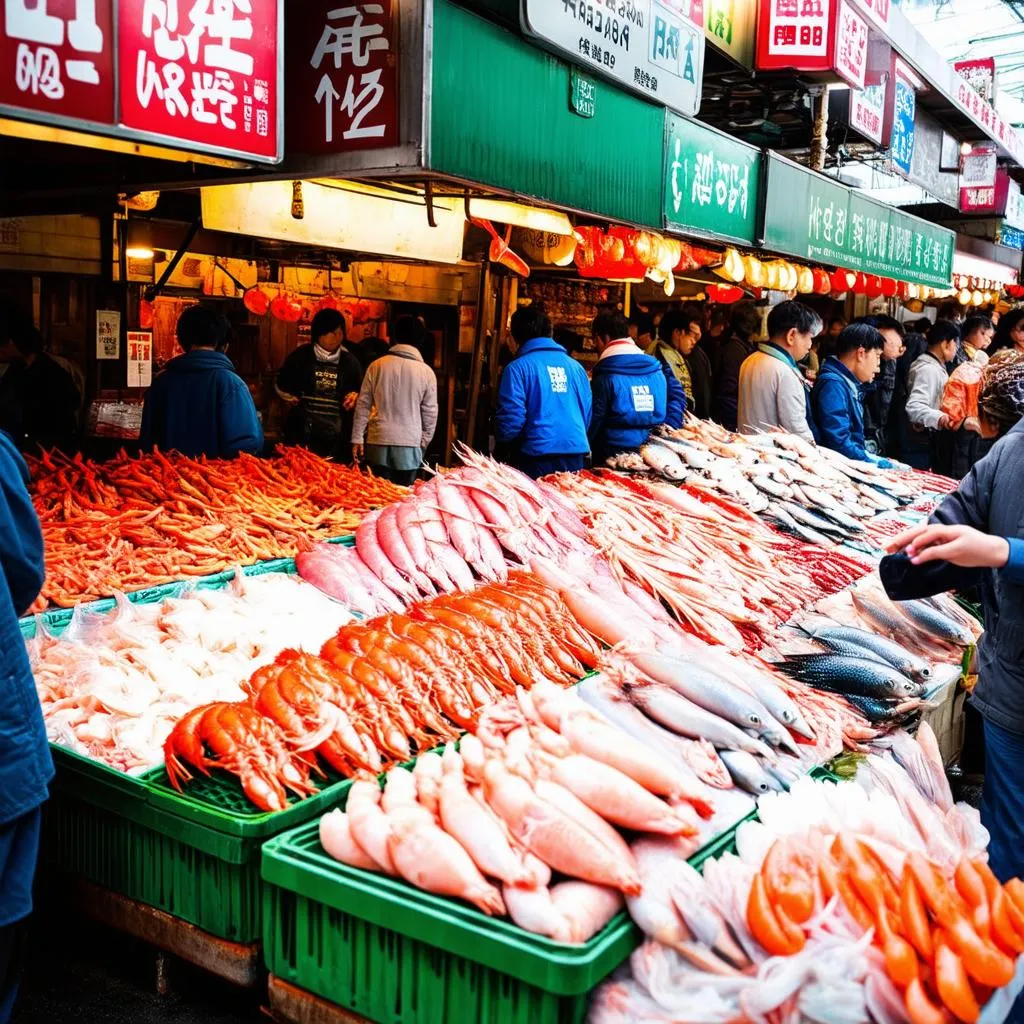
column 108, row 334
column 140, row 359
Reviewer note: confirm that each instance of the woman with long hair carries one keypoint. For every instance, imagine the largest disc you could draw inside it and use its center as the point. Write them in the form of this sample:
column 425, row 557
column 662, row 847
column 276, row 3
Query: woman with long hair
column 1009, row 331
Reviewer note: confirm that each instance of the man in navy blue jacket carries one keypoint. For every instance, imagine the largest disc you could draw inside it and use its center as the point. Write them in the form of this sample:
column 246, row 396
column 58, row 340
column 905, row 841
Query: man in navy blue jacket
column 543, row 408
column 25, row 765
column 837, row 399
column 633, row 392
column 199, row 405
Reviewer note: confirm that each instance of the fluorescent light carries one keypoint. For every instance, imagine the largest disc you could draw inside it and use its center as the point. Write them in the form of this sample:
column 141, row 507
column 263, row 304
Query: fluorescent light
column 137, row 252
column 520, row 216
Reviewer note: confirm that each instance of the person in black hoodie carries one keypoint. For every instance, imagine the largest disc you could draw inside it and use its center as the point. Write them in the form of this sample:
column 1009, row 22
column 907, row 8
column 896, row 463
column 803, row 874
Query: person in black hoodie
column 729, row 358
column 321, row 382
column 199, row 405
column 39, row 400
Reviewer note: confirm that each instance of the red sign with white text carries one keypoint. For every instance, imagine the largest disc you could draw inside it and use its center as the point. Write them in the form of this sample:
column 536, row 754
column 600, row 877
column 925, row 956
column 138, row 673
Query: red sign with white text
column 794, row 34
column 343, row 76
column 57, row 56
column 201, row 71
column 851, row 53
column 199, row 75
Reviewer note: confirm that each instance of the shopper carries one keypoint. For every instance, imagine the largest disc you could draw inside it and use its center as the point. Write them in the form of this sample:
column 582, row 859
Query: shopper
column 25, row 764
column 878, row 395
column 544, row 403
column 321, row 382
column 928, row 377
column 633, row 392
column 772, row 390
column 641, row 328
column 39, row 401
column 396, row 412
column 837, row 396
column 976, row 338
column 1009, row 331
column 974, row 539
column 699, row 366
column 731, row 353
column 678, row 335
column 199, row 405
column 369, row 350
column 827, row 341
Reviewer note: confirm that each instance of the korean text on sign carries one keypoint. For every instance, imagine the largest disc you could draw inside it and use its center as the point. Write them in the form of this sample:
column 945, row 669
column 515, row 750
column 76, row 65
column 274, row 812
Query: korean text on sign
column 202, row 70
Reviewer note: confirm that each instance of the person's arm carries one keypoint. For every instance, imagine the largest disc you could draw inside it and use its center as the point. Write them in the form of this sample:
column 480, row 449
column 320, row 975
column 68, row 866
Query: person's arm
column 364, row 403
column 240, row 429
column 21, row 538
column 351, row 380
column 675, row 398
column 510, row 414
column 288, row 383
column 922, row 403
column 791, row 406
column 428, row 411
column 834, row 420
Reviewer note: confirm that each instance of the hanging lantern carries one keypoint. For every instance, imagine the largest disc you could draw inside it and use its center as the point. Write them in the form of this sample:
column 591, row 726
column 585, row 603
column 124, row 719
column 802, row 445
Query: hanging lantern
column 613, row 248
column 964, row 297
column 645, row 249
column 822, row 281
column 724, row 293
column 754, row 271
column 771, row 276
column 977, row 298
column 903, row 290
column 286, row 308
column 888, row 287
column 547, row 247
column 804, row 280
column 675, row 252
column 732, row 268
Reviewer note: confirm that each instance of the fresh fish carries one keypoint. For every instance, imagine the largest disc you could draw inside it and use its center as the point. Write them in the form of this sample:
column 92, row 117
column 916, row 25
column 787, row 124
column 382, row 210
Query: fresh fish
column 777, row 735
column 663, row 460
column 833, row 512
column 771, row 487
column 935, row 623
column 843, row 674
column 627, row 462
column 812, row 519
column 888, row 650
column 879, row 711
column 813, row 536
column 746, row 771
column 684, row 717
column 881, row 614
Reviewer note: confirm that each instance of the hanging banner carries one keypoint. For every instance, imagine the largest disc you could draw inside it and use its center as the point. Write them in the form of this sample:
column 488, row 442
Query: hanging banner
column 342, row 76
column 1014, row 215
column 794, row 35
column 812, row 217
column 648, row 46
column 979, row 177
column 108, row 334
column 729, row 26
column 713, row 182
column 851, row 49
column 904, row 112
column 980, row 75
column 140, row 358
column 867, row 112
column 204, row 76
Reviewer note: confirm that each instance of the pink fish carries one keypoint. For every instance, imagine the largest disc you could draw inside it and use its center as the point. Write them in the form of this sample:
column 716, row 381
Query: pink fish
column 337, row 839
column 392, row 543
column 377, row 561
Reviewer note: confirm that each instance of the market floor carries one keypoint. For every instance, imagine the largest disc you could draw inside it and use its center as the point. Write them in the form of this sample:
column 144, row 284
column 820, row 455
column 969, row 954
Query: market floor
column 81, row 973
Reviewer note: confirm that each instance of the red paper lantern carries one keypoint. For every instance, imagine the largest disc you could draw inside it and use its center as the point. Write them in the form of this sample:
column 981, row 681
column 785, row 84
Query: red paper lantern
column 287, row 309
column 822, row 282
column 889, row 287
column 257, row 301
column 327, row 302
column 873, row 286
column 724, row 293
column 145, row 314
column 903, row 289
column 842, row 280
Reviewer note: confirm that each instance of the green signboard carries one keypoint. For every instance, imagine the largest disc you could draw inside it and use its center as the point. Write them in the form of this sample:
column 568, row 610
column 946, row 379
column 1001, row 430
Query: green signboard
column 582, row 94
column 812, row 217
column 712, row 182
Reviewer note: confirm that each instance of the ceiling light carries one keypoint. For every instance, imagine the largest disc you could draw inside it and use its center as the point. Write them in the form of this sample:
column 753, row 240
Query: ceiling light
column 965, row 148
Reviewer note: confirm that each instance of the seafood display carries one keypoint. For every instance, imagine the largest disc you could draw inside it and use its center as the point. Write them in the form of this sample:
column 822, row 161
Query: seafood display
column 725, row 575
column 132, row 523
column 381, row 690
column 863, row 901
column 113, row 686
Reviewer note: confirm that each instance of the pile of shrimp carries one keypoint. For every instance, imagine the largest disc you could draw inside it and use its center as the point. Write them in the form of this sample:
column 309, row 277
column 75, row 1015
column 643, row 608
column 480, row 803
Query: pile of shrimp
column 113, row 686
column 863, row 901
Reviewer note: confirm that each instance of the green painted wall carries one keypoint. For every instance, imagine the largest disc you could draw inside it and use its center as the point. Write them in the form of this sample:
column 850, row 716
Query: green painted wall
column 501, row 117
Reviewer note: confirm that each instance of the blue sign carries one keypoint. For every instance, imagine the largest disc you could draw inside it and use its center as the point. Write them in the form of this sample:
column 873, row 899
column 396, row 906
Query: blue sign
column 1011, row 237
column 901, row 145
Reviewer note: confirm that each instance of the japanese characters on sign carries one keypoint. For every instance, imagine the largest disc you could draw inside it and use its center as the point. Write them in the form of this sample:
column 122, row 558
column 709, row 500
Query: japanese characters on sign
column 713, row 182
column 652, row 47
column 980, row 74
column 203, row 75
column 901, row 141
column 797, row 30
column 877, row 11
column 851, row 54
column 729, row 25
column 813, row 217
column 974, row 106
column 57, row 56
column 343, row 75
column 867, row 111
column 140, row 359
column 983, row 186
column 1014, row 214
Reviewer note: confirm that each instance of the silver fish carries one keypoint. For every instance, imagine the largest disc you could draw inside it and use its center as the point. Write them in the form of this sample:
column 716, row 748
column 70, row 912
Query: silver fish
column 663, row 460
column 746, row 771
column 888, row 650
column 776, row 509
column 812, row 519
column 930, row 620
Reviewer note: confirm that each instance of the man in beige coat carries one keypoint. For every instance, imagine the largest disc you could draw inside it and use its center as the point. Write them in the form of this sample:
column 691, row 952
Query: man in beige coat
column 772, row 391
column 396, row 412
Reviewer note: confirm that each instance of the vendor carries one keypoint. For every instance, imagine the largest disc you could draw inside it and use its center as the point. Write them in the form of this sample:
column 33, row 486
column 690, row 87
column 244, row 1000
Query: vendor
column 25, row 764
column 199, row 405
column 975, row 538
column 39, row 401
column 321, row 381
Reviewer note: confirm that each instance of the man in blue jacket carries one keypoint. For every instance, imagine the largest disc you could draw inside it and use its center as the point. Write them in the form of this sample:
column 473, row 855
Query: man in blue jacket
column 25, row 765
column 633, row 392
column 199, row 405
column 543, row 408
column 837, row 399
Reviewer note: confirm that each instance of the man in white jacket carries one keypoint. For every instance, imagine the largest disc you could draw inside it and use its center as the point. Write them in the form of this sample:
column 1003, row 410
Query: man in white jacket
column 772, row 391
column 396, row 412
column 928, row 377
